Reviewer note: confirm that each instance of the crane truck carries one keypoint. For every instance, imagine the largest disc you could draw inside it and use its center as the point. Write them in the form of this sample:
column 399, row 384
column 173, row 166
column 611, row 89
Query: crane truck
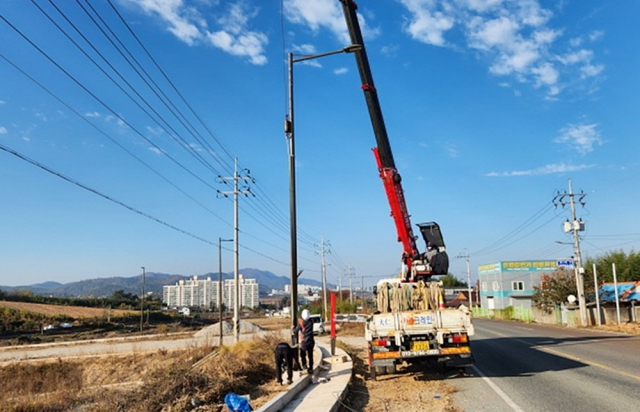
column 411, row 324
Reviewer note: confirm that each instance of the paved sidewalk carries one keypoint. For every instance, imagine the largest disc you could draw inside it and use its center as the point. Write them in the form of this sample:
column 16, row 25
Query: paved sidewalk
column 321, row 392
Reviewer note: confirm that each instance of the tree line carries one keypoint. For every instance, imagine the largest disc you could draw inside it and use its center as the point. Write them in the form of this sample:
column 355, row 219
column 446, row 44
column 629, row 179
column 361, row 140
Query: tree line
column 118, row 300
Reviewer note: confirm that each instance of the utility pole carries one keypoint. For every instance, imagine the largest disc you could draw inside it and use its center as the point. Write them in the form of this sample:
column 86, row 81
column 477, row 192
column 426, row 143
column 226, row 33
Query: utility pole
column 323, row 272
column 350, row 273
column 142, row 301
column 236, row 276
column 575, row 226
column 466, row 256
column 220, row 285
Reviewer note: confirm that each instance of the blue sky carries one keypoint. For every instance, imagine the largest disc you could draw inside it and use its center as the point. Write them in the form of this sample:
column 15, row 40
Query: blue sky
column 491, row 107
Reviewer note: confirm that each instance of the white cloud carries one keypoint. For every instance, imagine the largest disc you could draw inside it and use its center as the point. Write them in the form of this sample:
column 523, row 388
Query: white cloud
column 576, row 57
column 390, row 50
column 303, row 49
column 158, row 130
column 231, row 35
column 341, row 70
column 2, row 102
column 117, row 119
column 183, row 21
column 195, row 147
column 92, row 114
column 3, row 130
column 481, row 5
column 545, row 74
column 427, row 23
column 580, row 137
column 543, row 170
column 451, row 150
column 323, row 14
column 235, row 38
column 156, row 150
column 515, row 36
column 590, row 70
column 596, row 35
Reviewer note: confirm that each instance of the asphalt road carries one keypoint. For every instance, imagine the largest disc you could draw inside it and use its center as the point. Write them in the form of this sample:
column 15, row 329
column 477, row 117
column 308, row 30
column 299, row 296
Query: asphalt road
column 530, row 367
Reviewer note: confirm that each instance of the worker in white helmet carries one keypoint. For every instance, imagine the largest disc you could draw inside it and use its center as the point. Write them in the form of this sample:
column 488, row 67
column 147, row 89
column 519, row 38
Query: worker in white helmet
column 305, row 330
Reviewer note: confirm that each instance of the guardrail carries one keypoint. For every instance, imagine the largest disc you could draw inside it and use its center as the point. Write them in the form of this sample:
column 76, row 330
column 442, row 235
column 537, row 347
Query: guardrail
column 350, row 317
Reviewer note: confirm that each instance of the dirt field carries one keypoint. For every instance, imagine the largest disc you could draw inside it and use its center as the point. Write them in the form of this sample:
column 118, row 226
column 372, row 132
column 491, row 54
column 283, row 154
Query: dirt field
column 407, row 391
column 75, row 312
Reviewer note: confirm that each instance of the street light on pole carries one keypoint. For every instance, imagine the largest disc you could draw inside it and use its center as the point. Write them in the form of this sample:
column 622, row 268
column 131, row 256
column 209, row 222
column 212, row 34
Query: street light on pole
column 289, row 134
column 142, row 301
column 466, row 257
column 220, row 284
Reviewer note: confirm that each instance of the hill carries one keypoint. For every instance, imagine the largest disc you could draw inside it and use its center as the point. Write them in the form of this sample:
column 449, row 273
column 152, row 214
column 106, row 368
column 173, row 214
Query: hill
column 102, row 287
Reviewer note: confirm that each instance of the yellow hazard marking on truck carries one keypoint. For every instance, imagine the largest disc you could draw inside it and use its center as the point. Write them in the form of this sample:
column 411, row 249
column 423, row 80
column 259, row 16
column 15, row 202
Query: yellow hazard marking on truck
column 386, row 355
column 462, row 349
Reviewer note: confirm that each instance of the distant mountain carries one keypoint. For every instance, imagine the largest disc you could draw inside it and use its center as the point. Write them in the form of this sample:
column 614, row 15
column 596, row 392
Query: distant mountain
column 102, row 287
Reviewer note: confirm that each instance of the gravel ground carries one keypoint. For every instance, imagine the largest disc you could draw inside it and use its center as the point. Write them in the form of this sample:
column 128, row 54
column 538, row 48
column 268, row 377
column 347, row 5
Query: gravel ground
column 410, row 390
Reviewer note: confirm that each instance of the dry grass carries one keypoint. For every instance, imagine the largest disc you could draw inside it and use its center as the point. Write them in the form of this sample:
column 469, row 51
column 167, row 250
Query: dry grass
column 351, row 329
column 75, row 312
column 629, row 328
column 273, row 323
column 162, row 381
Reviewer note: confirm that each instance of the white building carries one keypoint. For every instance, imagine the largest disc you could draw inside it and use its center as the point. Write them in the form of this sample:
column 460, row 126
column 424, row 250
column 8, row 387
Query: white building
column 204, row 293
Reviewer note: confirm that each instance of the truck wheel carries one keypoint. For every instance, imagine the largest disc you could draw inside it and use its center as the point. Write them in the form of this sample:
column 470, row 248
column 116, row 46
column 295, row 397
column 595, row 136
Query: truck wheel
column 372, row 372
column 391, row 370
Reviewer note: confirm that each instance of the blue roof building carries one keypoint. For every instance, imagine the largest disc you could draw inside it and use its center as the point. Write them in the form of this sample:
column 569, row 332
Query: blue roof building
column 627, row 292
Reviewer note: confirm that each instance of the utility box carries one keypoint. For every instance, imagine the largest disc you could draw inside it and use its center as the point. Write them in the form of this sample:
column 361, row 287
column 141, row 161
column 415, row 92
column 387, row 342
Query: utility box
column 577, row 225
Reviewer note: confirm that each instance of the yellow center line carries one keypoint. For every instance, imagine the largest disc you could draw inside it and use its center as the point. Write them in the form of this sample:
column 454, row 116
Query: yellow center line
column 596, row 364
column 559, row 353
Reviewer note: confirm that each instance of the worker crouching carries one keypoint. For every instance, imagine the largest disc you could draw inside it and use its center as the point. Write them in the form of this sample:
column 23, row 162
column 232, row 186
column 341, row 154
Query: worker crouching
column 284, row 362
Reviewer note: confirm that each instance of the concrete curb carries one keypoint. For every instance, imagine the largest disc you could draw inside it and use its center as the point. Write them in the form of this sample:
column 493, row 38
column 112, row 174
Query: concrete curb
column 341, row 393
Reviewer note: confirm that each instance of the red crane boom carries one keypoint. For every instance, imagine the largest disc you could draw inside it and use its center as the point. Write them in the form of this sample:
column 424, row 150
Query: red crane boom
column 419, row 266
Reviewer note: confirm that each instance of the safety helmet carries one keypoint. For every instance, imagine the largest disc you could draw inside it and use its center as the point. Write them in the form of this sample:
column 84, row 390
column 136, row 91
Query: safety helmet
column 305, row 314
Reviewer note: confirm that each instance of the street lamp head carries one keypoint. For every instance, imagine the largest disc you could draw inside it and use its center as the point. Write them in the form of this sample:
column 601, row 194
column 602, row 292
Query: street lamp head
column 352, row 48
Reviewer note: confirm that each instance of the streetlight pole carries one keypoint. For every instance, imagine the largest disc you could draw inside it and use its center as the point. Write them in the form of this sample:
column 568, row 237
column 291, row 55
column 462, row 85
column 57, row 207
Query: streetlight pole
column 142, row 301
column 289, row 134
column 466, row 257
column 220, row 284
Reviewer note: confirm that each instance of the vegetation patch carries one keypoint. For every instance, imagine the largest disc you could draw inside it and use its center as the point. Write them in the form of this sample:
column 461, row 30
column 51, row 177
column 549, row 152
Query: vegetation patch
column 194, row 379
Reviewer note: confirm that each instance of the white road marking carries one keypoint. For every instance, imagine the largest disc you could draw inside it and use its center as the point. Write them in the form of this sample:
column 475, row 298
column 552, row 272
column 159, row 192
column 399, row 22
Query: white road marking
column 497, row 390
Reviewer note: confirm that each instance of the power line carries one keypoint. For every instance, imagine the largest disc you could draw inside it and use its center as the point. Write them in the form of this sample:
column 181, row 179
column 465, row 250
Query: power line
column 75, row 80
column 104, row 196
column 500, row 243
column 271, row 213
